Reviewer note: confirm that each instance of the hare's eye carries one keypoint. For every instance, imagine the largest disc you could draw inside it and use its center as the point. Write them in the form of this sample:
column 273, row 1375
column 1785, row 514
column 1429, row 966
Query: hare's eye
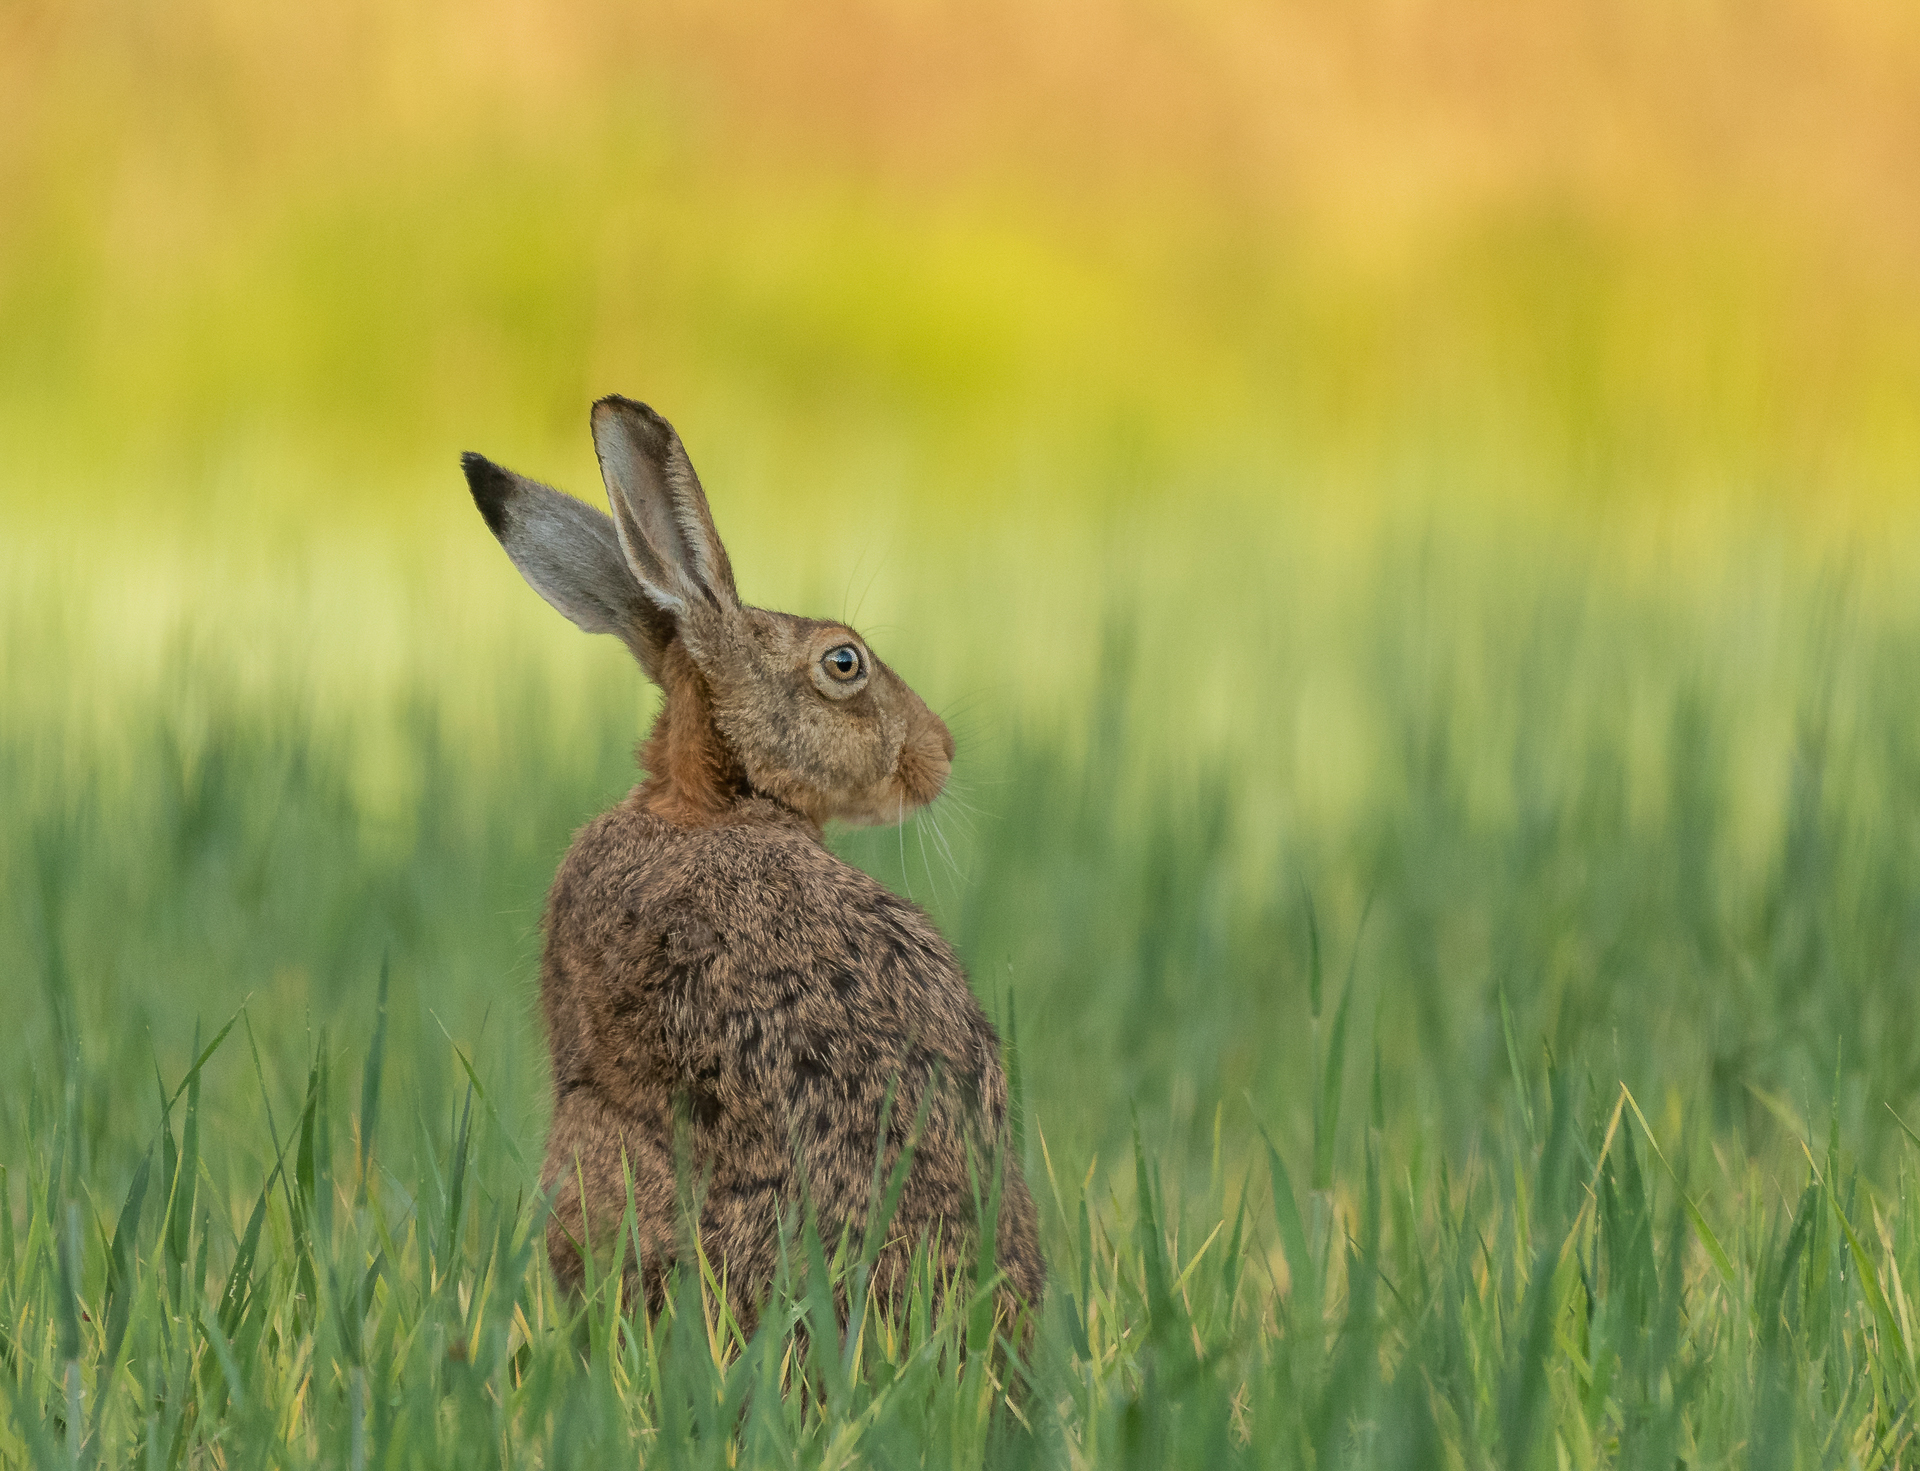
column 842, row 663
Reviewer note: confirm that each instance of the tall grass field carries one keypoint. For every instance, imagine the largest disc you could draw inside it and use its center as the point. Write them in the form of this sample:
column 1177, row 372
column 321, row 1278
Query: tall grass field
column 1409, row 511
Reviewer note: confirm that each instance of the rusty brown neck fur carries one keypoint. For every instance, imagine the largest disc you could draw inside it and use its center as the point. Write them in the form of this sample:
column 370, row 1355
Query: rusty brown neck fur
column 693, row 778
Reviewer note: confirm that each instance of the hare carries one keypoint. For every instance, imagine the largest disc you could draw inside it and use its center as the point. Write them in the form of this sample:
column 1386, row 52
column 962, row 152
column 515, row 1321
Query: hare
column 727, row 1002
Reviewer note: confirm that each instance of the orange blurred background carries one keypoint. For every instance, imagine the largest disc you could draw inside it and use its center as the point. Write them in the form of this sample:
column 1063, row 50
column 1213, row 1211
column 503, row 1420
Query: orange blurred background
column 1560, row 254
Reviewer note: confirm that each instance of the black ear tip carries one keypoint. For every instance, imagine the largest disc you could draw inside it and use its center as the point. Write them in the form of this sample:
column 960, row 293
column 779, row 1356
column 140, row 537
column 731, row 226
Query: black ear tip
column 491, row 487
column 631, row 409
column 621, row 401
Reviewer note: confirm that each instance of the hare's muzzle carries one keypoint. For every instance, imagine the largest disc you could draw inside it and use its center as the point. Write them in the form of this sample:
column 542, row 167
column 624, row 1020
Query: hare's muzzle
column 925, row 759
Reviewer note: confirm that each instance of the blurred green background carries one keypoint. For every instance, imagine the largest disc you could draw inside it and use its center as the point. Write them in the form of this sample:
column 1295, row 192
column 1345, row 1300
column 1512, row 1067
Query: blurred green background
column 1451, row 464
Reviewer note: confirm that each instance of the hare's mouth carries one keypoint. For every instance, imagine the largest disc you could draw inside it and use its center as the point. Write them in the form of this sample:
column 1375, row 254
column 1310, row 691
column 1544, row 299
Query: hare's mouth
column 926, row 759
column 920, row 777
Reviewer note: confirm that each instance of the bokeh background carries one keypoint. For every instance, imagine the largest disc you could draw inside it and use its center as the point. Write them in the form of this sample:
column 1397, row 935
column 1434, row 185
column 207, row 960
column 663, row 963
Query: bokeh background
column 1423, row 491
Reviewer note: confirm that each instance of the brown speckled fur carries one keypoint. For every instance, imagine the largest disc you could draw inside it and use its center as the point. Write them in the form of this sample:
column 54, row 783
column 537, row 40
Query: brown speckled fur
column 711, row 967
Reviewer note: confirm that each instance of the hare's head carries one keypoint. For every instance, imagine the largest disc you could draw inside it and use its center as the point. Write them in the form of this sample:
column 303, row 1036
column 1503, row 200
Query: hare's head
column 756, row 702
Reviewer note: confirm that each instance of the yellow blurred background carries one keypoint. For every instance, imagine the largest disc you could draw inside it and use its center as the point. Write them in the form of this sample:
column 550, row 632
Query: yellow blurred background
column 1316, row 432
column 984, row 323
column 1565, row 253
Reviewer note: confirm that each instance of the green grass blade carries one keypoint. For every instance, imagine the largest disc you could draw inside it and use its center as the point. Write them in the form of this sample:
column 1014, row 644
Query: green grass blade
column 1326, row 1117
column 202, row 1056
column 1521, row 1092
column 42, row 1453
column 1716, row 1253
column 1301, row 1270
column 503, row 1134
column 1871, row 1289
column 1313, row 954
column 370, row 1078
column 120, row 1263
column 1905, row 1127
column 223, row 1355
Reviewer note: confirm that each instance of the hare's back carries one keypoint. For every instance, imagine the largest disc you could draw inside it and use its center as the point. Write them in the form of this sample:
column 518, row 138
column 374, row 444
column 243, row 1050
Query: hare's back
column 673, row 949
column 780, row 926
column 790, row 1008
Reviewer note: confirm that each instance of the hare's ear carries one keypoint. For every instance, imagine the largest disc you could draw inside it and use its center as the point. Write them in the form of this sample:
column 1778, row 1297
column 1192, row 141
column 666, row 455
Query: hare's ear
column 661, row 513
column 570, row 554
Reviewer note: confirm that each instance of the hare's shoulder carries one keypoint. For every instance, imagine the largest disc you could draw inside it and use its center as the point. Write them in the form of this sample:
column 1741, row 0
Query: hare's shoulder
column 723, row 951
column 764, row 891
column 617, row 862
column 800, row 955
column 775, row 900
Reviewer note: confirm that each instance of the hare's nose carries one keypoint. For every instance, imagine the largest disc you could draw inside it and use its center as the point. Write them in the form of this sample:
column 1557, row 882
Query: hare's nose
column 946, row 740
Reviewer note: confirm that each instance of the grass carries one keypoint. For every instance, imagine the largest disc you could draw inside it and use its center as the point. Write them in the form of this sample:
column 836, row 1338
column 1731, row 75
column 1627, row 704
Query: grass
column 1501, row 1061
column 1421, row 572
column 1566, row 1295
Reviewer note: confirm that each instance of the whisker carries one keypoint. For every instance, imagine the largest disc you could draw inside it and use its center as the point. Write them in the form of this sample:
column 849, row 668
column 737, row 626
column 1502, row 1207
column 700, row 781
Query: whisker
column 940, row 838
column 960, row 803
column 920, row 833
column 846, row 593
column 961, row 826
column 950, row 795
column 962, row 705
column 878, row 566
column 940, row 846
column 900, row 817
column 920, row 837
column 959, row 812
column 989, row 781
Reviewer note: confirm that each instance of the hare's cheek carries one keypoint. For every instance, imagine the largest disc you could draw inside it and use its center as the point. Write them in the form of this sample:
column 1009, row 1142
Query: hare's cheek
column 881, row 804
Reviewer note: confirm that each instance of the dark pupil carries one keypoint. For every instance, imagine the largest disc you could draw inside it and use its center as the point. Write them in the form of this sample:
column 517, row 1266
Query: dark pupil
column 844, row 662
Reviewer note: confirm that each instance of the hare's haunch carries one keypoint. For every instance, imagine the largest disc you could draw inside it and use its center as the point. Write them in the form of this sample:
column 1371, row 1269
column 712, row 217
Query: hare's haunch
column 710, row 966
